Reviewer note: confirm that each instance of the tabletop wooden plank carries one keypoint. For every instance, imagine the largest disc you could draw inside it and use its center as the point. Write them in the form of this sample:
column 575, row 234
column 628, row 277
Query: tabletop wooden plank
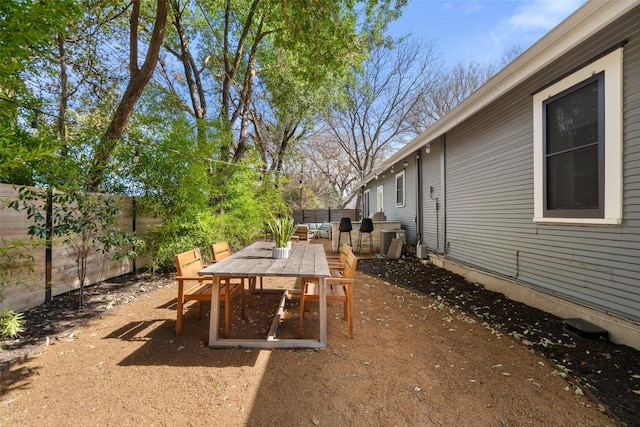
column 255, row 260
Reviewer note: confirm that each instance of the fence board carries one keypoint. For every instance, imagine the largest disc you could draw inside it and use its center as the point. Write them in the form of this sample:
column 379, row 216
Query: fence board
column 20, row 291
column 324, row 215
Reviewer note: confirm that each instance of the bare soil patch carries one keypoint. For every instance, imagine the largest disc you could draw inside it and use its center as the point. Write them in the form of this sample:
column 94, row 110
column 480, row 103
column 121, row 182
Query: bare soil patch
column 606, row 371
column 421, row 356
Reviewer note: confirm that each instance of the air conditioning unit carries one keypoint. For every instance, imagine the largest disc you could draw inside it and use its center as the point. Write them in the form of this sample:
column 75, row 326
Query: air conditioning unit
column 387, row 235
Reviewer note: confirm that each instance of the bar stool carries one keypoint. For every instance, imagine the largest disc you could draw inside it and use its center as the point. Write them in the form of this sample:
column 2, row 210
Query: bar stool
column 345, row 227
column 367, row 228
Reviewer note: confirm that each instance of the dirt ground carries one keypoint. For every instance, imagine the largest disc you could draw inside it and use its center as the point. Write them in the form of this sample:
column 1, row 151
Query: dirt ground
column 425, row 352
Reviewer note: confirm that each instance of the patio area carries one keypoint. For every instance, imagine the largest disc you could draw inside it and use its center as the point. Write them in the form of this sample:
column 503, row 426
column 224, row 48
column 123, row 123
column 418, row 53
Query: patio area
column 411, row 362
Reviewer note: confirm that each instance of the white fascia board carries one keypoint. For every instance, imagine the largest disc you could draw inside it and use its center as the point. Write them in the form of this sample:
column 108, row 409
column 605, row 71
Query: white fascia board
column 592, row 17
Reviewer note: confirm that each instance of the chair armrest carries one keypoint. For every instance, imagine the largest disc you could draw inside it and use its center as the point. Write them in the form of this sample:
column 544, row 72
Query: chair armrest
column 338, row 281
column 198, row 278
column 183, row 281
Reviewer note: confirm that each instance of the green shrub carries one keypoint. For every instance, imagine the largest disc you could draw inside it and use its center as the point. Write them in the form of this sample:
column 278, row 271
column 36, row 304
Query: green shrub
column 10, row 323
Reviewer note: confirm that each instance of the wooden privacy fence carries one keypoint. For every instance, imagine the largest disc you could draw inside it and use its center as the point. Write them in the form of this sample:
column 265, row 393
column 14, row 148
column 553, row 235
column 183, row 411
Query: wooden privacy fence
column 306, row 216
column 26, row 270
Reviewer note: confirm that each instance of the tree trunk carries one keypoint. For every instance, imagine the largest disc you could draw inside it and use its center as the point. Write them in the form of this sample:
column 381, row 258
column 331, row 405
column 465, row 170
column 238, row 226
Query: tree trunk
column 139, row 77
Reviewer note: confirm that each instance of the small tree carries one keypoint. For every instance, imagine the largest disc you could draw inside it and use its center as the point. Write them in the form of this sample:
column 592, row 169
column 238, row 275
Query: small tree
column 86, row 222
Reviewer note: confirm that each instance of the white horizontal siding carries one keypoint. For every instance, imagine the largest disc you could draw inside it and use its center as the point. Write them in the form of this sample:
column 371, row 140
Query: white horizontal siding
column 432, row 203
column 489, row 181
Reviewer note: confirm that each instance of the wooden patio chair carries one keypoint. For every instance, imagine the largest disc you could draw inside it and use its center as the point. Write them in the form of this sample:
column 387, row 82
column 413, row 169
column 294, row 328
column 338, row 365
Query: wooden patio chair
column 220, row 251
column 336, row 262
column 339, row 288
column 192, row 287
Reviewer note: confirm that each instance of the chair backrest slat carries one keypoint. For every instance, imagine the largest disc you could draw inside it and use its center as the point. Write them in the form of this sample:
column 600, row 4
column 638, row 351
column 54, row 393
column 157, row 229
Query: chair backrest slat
column 189, row 263
column 220, row 251
column 345, row 250
column 349, row 271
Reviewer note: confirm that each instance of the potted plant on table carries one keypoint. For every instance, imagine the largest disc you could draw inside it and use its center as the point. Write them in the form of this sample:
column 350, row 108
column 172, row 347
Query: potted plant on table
column 282, row 228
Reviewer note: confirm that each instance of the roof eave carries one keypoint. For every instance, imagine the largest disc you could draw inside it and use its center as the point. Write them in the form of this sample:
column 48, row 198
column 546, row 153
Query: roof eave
column 584, row 22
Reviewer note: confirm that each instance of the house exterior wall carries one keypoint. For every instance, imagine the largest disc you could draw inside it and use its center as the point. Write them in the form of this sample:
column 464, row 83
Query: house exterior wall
column 489, row 188
column 406, row 214
column 482, row 176
column 489, row 183
column 433, row 201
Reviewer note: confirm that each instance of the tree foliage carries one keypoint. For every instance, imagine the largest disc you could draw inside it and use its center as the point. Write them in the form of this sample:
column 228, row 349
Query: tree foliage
column 139, row 76
column 211, row 97
column 25, row 35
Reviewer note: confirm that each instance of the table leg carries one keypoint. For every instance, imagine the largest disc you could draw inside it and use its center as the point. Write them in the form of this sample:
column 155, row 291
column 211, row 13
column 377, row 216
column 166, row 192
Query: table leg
column 215, row 311
column 227, row 306
column 323, row 312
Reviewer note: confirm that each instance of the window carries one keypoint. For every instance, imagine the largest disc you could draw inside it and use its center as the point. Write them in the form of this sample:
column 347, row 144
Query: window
column 573, row 143
column 380, row 198
column 400, row 189
column 366, row 210
column 577, row 153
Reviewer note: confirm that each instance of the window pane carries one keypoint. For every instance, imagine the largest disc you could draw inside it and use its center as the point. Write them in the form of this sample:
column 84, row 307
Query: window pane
column 573, row 180
column 365, row 204
column 572, row 119
column 399, row 187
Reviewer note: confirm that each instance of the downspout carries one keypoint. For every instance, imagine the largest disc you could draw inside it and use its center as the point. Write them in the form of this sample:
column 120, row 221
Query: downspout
column 435, row 199
column 443, row 189
column 419, row 196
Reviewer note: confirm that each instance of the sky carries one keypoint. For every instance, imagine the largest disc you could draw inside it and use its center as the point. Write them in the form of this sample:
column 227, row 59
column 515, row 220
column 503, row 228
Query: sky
column 481, row 30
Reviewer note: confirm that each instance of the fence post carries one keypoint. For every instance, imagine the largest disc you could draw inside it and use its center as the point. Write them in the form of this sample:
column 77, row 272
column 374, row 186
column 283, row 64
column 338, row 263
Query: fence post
column 48, row 248
column 133, row 227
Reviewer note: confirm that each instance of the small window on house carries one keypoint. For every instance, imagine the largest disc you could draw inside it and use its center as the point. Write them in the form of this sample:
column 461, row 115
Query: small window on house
column 366, row 210
column 400, row 189
column 380, row 198
column 577, row 153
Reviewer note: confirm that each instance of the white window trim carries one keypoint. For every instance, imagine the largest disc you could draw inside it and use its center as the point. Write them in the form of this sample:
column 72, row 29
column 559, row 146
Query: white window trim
column 611, row 65
column 380, row 198
column 404, row 188
column 366, row 195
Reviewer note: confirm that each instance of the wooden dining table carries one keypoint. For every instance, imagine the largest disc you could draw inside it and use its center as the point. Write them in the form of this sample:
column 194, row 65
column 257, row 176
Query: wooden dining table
column 305, row 260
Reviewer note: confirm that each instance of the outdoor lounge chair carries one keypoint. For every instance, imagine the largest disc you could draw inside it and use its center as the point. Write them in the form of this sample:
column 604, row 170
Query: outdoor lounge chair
column 303, row 233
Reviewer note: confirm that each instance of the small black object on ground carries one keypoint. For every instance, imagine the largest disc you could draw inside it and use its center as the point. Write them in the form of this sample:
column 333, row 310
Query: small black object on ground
column 580, row 328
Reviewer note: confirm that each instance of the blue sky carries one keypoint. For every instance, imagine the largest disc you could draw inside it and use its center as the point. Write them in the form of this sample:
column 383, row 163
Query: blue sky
column 481, row 30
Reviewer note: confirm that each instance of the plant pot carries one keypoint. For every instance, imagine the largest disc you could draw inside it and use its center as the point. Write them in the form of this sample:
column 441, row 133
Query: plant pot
column 280, row 253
